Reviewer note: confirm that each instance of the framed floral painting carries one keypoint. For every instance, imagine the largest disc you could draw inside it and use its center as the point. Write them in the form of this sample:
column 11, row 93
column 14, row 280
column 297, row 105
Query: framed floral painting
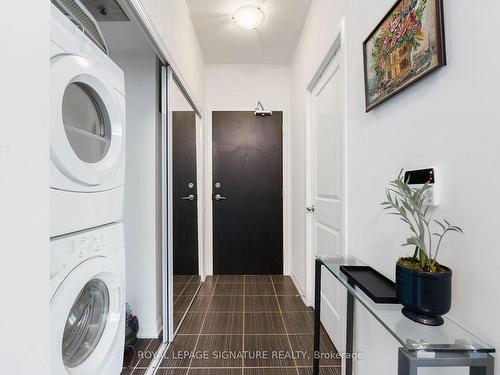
column 406, row 45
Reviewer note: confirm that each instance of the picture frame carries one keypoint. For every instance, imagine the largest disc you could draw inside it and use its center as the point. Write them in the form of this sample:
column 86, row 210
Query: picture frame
column 407, row 45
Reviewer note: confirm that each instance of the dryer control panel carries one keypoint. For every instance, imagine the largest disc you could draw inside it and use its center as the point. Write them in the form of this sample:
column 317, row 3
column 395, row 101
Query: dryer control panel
column 89, row 49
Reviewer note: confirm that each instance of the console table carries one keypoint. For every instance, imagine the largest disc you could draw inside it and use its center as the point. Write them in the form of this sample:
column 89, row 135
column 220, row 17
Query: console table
column 449, row 345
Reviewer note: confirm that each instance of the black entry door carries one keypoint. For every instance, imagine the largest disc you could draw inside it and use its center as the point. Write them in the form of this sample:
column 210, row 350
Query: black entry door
column 247, row 193
column 185, row 215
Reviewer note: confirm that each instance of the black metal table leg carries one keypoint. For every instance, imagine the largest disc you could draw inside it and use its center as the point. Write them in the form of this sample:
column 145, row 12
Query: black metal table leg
column 317, row 317
column 349, row 332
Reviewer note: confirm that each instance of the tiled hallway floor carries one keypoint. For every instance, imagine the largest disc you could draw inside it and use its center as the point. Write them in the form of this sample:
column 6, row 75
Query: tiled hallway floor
column 246, row 325
column 185, row 288
column 137, row 360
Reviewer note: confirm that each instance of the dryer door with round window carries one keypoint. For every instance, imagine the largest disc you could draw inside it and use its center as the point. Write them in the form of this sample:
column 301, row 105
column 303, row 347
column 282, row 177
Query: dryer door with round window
column 87, row 123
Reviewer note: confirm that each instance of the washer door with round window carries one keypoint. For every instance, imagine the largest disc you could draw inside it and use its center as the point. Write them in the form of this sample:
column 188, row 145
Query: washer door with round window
column 85, row 317
column 86, row 133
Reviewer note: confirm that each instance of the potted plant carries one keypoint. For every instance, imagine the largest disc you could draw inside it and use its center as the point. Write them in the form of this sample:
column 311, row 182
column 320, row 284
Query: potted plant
column 423, row 285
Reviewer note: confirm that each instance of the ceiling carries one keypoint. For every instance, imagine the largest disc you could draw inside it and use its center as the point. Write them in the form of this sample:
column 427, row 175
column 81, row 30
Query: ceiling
column 224, row 42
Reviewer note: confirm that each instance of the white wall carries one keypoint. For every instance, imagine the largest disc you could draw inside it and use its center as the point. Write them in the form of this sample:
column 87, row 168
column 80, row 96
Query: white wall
column 172, row 22
column 143, row 259
column 140, row 210
column 450, row 120
column 24, row 182
column 238, row 88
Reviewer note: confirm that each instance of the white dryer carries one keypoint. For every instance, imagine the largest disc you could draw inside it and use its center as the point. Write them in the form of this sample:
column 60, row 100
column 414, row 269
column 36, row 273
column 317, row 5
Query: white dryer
column 87, row 303
column 87, row 131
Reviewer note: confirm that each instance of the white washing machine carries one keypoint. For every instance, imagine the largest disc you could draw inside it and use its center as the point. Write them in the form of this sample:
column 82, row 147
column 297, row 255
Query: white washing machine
column 87, row 131
column 87, row 304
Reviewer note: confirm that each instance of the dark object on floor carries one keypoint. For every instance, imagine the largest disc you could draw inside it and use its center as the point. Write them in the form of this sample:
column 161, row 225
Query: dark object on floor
column 131, row 329
column 425, row 296
column 375, row 285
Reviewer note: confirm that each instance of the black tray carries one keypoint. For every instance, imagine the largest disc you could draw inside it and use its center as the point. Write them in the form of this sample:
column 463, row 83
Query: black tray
column 375, row 285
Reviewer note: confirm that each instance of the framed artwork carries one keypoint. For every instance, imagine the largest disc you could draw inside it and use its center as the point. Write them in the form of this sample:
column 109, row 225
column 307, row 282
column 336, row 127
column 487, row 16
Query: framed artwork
column 406, row 45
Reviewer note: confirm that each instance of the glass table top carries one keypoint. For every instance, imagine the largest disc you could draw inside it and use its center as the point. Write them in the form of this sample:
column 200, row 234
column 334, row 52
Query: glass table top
column 449, row 337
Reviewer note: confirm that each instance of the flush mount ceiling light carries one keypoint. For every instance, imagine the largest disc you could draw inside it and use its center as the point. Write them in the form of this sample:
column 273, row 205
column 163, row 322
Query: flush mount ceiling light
column 249, row 17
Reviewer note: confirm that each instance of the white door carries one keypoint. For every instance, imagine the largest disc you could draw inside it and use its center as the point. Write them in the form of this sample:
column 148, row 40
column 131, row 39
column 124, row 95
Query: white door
column 327, row 148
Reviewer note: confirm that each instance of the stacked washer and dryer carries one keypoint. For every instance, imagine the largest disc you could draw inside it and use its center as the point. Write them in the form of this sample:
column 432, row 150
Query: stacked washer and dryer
column 87, row 151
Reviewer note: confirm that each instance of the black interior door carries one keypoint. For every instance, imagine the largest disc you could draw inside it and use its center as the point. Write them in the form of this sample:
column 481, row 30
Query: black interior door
column 185, row 214
column 247, row 193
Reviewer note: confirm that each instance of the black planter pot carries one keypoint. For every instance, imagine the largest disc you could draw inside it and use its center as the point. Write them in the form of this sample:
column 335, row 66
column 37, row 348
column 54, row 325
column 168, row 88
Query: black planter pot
column 425, row 296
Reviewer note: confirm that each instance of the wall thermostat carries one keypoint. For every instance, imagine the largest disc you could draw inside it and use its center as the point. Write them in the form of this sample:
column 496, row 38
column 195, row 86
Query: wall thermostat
column 416, row 178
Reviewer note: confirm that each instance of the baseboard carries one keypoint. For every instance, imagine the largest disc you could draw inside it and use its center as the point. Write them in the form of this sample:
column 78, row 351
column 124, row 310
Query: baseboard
column 159, row 325
column 147, row 331
column 299, row 287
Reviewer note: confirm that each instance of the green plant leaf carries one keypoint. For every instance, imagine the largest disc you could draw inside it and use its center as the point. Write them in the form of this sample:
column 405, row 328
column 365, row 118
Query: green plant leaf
column 440, row 224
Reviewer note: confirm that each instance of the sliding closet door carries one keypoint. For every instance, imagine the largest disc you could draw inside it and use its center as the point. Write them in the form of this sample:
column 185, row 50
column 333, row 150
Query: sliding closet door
column 166, row 213
column 180, row 241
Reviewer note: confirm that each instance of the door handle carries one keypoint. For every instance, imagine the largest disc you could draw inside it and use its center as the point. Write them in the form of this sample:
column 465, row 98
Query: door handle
column 310, row 208
column 219, row 197
column 190, row 197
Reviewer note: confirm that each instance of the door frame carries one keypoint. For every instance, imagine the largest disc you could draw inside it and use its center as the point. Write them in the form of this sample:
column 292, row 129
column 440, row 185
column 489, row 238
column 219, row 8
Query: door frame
column 166, row 188
column 208, row 188
column 339, row 44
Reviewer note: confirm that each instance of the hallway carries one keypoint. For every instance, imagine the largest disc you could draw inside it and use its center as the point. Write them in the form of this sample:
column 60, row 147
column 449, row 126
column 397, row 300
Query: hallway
column 251, row 325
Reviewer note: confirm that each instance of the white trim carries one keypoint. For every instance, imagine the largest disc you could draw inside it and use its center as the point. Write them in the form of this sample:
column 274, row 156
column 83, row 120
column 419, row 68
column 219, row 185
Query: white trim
column 340, row 41
column 163, row 189
column 200, row 190
column 149, row 331
column 287, row 195
column 309, row 297
column 299, row 286
column 287, row 202
column 332, row 52
column 170, row 211
column 167, row 300
column 207, row 199
column 346, row 136
column 159, row 326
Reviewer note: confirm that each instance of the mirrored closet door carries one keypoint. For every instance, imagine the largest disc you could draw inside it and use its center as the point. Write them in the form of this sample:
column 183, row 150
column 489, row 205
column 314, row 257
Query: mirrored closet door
column 181, row 183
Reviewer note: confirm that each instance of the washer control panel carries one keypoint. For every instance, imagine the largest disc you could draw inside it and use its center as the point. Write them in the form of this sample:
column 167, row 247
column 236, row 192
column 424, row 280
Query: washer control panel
column 68, row 251
column 89, row 245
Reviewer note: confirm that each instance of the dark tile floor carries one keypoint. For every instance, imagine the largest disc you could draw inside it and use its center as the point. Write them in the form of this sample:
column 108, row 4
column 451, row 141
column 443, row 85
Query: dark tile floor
column 137, row 360
column 246, row 325
column 238, row 325
column 185, row 289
